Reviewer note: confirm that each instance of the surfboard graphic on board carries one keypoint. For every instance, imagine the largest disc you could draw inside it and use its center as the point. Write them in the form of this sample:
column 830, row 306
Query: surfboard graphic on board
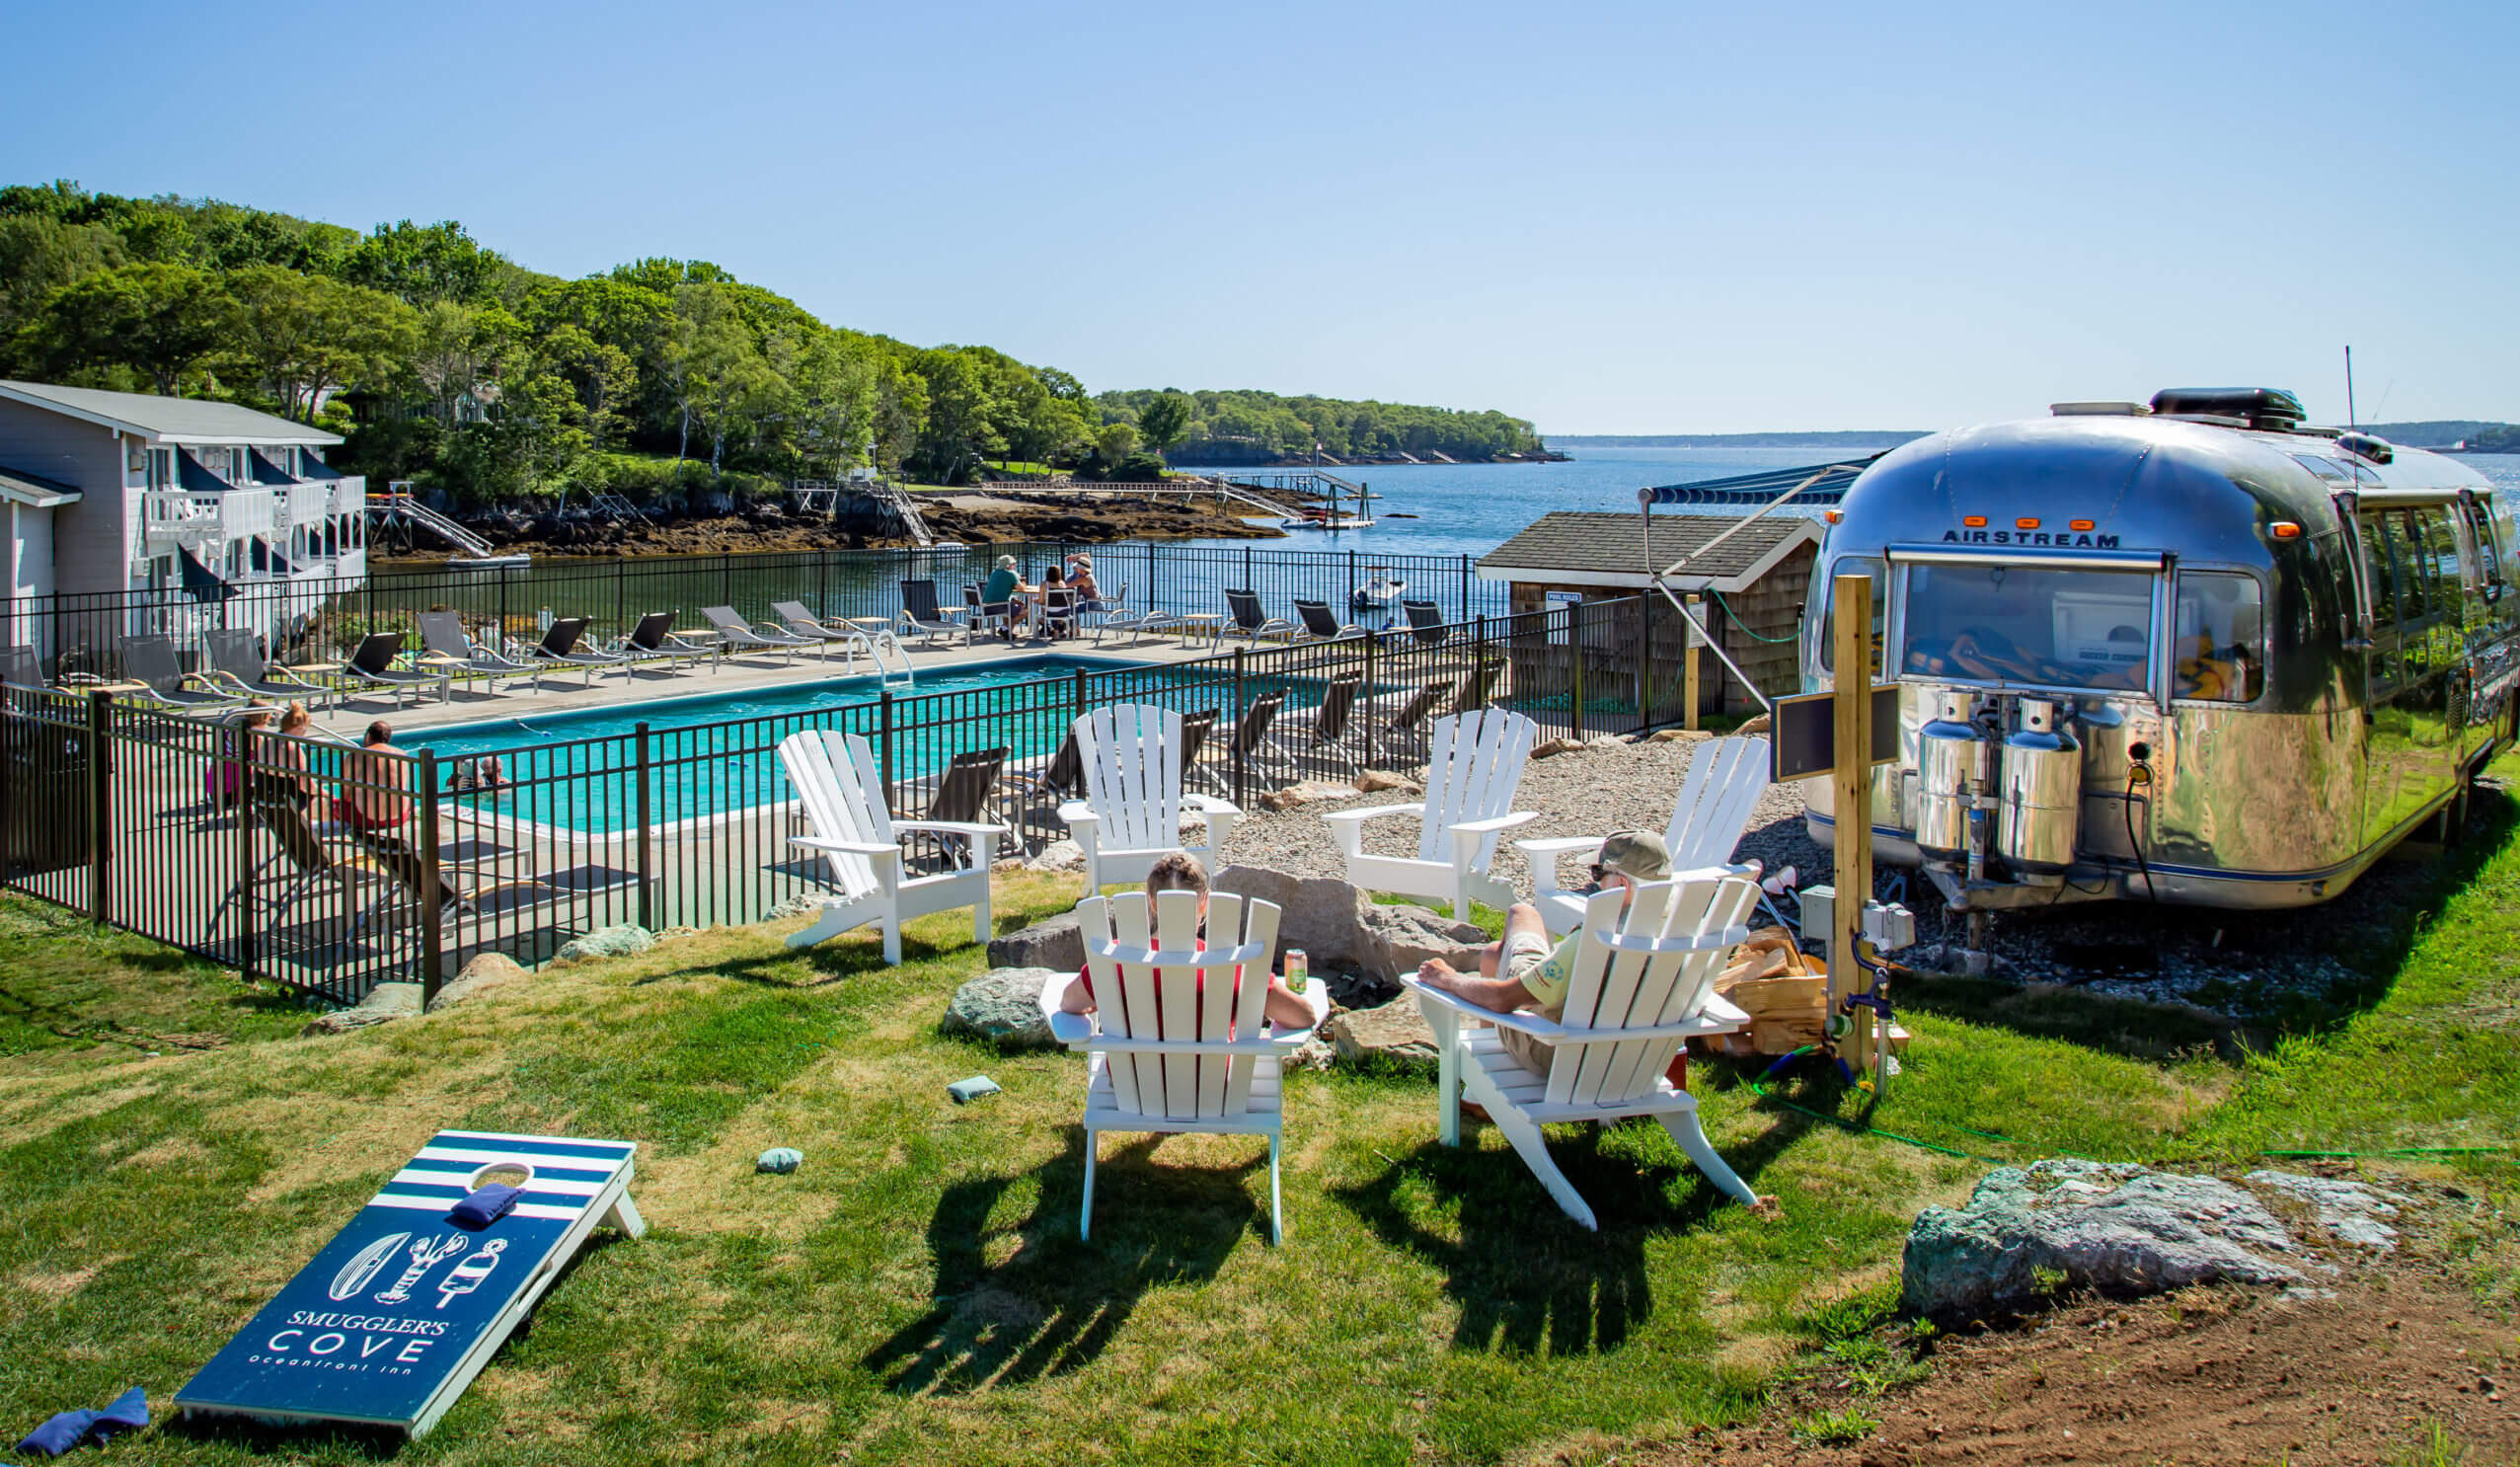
column 326, row 1349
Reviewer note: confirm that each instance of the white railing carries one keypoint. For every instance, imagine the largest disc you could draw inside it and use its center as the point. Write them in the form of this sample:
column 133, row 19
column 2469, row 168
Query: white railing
column 309, row 504
column 349, row 496
column 177, row 516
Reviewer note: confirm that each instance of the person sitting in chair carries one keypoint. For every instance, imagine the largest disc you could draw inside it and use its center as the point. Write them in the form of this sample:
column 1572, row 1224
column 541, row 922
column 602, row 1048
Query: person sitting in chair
column 1523, row 973
column 1180, row 872
column 376, row 783
column 1000, row 591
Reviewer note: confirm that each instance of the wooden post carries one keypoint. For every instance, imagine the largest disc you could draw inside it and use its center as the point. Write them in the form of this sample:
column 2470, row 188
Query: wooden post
column 1853, row 780
column 1689, row 694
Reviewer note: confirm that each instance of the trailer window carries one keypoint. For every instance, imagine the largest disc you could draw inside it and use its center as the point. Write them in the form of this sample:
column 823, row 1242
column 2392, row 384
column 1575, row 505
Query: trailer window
column 2220, row 638
column 1825, row 631
column 2027, row 624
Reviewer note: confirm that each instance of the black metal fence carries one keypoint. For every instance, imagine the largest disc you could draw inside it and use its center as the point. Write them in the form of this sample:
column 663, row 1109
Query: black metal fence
column 318, row 620
column 333, row 869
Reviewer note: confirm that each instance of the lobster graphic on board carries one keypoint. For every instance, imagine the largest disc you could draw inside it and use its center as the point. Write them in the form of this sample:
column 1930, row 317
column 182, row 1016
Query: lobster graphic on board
column 426, row 1254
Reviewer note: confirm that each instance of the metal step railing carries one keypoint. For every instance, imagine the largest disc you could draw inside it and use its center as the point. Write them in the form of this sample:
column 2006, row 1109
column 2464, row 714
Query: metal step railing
column 398, row 503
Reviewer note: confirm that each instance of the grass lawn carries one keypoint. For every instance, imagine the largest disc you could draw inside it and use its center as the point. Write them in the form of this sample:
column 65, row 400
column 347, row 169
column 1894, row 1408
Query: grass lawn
column 917, row 1292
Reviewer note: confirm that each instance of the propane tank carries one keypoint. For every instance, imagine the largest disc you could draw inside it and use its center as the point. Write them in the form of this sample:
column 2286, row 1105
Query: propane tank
column 2042, row 792
column 1951, row 769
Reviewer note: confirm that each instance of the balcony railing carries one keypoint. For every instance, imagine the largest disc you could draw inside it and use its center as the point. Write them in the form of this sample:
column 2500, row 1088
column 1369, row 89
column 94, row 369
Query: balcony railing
column 176, row 517
column 349, row 496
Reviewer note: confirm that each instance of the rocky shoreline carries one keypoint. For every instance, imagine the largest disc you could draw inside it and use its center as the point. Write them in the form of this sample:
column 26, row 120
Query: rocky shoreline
column 991, row 515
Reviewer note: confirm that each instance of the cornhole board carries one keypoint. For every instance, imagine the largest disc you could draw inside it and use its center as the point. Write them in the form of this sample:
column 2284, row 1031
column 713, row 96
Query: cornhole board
column 394, row 1318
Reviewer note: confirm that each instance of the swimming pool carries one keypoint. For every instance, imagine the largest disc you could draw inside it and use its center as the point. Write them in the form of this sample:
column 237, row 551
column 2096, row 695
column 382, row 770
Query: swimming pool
column 712, row 754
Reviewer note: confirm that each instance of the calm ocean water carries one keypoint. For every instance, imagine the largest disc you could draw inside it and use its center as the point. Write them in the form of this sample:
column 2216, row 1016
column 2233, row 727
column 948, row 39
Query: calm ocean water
column 1472, row 508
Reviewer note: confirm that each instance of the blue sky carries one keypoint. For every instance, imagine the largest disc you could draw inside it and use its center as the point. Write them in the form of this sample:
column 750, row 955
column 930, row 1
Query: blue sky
column 1603, row 218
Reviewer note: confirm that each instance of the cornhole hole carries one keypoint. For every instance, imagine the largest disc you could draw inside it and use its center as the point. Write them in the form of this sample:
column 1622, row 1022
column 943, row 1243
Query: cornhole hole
column 394, row 1318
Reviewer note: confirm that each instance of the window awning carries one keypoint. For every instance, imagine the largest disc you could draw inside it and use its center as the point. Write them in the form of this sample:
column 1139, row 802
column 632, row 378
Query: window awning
column 200, row 583
column 196, row 479
column 267, row 472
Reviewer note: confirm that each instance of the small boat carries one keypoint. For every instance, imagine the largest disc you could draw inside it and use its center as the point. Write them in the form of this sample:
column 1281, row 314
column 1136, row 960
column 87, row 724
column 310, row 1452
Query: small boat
column 946, row 545
column 1380, row 592
column 488, row 562
column 1322, row 519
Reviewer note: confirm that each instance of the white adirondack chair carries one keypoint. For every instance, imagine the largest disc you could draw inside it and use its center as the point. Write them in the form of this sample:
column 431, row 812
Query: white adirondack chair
column 834, row 775
column 1130, row 814
column 1717, row 792
column 1644, row 985
column 1472, row 773
column 1175, row 1041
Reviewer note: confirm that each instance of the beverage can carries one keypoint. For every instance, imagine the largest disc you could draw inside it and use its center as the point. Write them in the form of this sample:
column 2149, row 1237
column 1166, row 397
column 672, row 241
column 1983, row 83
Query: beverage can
column 1298, row 970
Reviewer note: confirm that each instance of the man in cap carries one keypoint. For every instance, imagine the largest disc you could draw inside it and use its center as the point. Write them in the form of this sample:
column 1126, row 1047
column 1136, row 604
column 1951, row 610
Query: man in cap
column 1523, row 971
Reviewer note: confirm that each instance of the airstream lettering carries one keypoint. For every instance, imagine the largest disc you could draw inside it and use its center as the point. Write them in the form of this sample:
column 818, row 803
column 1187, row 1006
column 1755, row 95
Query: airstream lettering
column 2194, row 652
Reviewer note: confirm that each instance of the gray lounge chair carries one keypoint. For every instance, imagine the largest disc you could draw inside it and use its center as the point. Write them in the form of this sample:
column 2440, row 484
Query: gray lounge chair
column 1426, row 623
column 237, row 666
column 653, row 640
column 796, row 621
column 920, row 613
column 1249, row 742
column 151, row 660
column 1412, row 720
column 739, row 635
column 1285, row 748
column 443, row 634
column 19, row 669
column 372, row 667
column 1245, row 618
column 560, row 649
column 1321, row 626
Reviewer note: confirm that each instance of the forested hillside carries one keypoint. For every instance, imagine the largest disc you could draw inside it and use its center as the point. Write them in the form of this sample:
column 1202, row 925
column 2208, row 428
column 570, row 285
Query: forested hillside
column 445, row 363
column 1234, row 426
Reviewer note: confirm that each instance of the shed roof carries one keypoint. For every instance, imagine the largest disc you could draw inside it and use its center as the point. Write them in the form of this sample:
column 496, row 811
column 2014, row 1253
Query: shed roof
column 174, row 419
column 1578, row 547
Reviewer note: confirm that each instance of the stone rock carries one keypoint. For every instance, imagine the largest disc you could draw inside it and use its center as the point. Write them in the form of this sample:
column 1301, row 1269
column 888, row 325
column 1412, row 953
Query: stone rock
column 618, row 941
column 1342, row 931
column 1677, row 735
column 1356, row 990
column 779, row 1160
column 1380, row 781
column 1306, row 792
column 384, row 1003
column 1550, row 749
column 1058, row 855
column 2353, row 1211
column 1314, row 1053
column 1054, row 942
column 2111, row 1226
column 1004, row 1005
column 485, row 971
column 1394, row 1030
column 1760, row 725
column 793, row 904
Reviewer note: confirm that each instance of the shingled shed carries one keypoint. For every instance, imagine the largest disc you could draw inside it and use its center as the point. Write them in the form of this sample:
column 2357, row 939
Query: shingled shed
column 1752, row 586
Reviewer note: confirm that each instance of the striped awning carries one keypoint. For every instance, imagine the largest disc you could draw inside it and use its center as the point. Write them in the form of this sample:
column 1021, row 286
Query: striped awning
column 1761, row 488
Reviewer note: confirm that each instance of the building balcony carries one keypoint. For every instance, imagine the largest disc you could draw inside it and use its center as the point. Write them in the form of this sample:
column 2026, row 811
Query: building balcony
column 190, row 518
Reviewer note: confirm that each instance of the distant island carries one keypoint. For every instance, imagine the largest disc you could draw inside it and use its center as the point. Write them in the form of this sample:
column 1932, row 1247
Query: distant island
column 2473, row 434
column 1888, row 437
column 1245, row 429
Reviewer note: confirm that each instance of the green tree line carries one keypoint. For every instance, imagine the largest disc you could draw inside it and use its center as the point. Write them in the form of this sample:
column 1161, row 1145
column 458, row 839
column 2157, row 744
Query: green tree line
column 1265, row 423
column 445, row 363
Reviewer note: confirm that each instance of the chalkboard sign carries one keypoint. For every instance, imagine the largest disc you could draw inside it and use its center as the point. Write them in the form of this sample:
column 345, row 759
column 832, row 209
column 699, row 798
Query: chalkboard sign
column 1804, row 743
column 402, row 1309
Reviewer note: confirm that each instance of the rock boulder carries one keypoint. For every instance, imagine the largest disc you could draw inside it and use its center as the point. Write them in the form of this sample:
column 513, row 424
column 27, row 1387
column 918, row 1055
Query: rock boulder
column 384, row 1003
column 1395, row 1031
column 2116, row 1227
column 1341, row 930
column 1054, row 942
column 619, row 941
column 1004, row 1005
column 486, row 970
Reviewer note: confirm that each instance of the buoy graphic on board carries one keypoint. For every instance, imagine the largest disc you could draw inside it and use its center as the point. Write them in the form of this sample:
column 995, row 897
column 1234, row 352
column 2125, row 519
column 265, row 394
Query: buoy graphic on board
column 426, row 1254
column 366, row 1264
column 468, row 1274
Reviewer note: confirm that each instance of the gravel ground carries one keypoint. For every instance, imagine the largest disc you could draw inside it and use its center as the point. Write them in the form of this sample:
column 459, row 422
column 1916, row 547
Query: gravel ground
column 2238, row 964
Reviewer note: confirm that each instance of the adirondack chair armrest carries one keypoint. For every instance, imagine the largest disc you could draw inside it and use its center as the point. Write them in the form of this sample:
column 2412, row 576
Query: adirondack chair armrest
column 1219, row 813
column 951, row 827
column 1717, row 1017
column 1543, row 854
column 1076, row 813
column 872, row 850
column 1373, row 813
column 1493, row 824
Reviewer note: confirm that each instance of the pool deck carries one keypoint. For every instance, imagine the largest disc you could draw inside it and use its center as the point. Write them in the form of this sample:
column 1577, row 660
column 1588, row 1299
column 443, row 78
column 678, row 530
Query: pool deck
column 480, row 698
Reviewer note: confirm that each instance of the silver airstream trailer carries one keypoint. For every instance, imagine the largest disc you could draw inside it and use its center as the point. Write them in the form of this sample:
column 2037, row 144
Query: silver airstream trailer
column 2194, row 652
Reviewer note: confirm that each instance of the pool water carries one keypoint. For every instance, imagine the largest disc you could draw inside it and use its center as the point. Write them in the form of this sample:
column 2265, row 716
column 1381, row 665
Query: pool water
column 710, row 755
column 696, row 708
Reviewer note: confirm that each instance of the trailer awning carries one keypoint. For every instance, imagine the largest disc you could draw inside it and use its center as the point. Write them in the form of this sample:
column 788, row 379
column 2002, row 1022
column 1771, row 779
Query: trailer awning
column 1760, row 487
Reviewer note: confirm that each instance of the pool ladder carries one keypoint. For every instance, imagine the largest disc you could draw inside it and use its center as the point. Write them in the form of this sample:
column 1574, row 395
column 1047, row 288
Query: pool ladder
column 882, row 650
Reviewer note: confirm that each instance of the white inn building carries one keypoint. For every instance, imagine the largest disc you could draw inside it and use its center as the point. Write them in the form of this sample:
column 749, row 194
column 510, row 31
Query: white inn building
column 200, row 502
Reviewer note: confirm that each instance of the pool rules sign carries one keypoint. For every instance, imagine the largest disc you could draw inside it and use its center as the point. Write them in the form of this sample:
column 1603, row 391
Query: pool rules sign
column 394, row 1318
